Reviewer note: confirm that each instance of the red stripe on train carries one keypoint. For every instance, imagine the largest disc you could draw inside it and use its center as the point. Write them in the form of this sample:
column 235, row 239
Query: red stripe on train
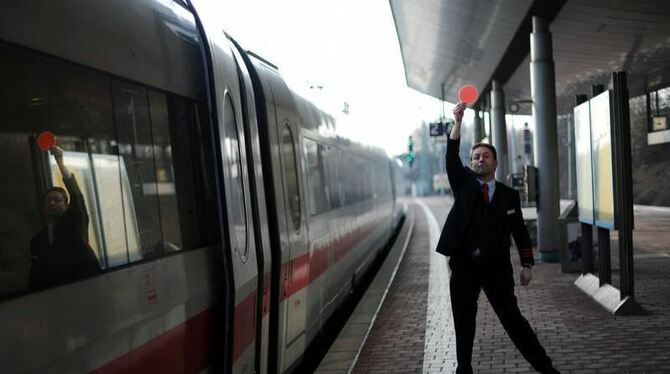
column 244, row 329
column 318, row 263
column 186, row 347
column 182, row 349
column 299, row 272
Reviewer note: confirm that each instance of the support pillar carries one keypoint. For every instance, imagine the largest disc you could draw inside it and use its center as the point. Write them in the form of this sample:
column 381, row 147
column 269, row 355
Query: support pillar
column 622, row 154
column 499, row 130
column 543, row 91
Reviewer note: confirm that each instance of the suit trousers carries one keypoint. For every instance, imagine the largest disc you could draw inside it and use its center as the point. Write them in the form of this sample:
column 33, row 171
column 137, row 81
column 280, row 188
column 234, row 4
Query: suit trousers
column 468, row 278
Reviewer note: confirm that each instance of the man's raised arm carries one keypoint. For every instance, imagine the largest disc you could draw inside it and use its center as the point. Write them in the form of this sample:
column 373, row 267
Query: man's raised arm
column 455, row 169
column 455, row 133
column 77, row 206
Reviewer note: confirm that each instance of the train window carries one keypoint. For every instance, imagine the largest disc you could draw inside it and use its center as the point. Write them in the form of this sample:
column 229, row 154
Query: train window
column 192, row 171
column 291, row 172
column 384, row 179
column 135, row 178
column 234, row 185
column 334, row 179
column 350, row 177
column 370, row 179
column 316, row 176
column 136, row 153
column 363, row 178
column 48, row 238
column 367, row 176
column 162, row 182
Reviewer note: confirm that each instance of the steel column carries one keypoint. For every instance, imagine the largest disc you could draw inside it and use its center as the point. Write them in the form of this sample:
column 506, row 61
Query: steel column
column 543, row 91
column 624, row 182
column 499, row 130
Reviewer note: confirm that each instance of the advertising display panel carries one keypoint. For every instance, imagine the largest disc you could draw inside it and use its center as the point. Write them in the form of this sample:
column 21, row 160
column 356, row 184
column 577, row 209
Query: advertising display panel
column 584, row 163
column 601, row 136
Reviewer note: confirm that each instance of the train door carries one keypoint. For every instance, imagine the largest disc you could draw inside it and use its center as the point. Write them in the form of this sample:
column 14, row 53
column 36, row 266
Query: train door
column 295, row 271
column 260, row 217
column 240, row 317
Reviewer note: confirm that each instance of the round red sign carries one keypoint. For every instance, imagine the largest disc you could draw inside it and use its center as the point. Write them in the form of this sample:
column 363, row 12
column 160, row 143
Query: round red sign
column 467, row 94
column 46, row 140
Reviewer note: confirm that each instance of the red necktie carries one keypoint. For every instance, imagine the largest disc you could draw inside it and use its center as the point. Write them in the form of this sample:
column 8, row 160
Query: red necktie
column 485, row 191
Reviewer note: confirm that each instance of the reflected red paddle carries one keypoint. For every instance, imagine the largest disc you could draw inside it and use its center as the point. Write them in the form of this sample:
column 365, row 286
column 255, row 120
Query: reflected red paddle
column 46, row 140
column 468, row 94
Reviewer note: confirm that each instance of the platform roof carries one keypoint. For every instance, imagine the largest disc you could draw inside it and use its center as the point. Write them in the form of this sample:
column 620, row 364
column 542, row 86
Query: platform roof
column 447, row 43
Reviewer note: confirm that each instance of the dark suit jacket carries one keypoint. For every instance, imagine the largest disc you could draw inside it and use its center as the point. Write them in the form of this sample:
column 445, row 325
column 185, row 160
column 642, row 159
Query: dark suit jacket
column 69, row 256
column 466, row 189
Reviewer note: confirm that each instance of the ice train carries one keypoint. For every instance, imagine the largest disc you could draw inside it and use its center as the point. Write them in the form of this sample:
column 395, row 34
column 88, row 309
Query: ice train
column 228, row 217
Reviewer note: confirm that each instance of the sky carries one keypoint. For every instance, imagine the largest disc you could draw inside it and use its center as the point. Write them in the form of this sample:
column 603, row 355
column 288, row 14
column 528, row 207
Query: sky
column 333, row 52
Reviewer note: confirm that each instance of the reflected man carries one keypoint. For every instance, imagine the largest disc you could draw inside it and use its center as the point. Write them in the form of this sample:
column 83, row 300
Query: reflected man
column 60, row 250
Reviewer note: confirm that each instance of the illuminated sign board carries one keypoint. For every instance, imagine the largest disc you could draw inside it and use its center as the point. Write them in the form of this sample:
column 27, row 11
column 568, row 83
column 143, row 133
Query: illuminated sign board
column 595, row 173
column 603, row 172
column 583, row 163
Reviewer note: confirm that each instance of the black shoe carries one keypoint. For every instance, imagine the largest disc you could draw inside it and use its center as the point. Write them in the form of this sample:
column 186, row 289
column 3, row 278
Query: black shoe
column 464, row 369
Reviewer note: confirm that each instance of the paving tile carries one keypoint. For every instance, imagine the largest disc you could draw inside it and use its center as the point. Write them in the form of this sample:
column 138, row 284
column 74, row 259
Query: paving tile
column 579, row 335
column 402, row 318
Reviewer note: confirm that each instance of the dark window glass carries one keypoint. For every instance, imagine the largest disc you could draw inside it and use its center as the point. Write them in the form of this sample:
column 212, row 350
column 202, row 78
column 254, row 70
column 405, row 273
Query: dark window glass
column 334, row 179
column 291, row 173
column 235, row 187
column 660, row 110
column 350, row 187
column 366, row 166
column 316, row 176
column 40, row 246
column 126, row 194
column 164, row 182
column 664, row 101
column 191, row 157
column 134, row 142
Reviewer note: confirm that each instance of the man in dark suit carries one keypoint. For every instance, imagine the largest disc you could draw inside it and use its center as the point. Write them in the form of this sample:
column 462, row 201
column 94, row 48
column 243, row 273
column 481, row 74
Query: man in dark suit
column 60, row 250
column 476, row 237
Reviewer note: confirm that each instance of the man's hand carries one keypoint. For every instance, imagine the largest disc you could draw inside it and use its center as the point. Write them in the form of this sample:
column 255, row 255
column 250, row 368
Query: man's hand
column 458, row 112
column 458, row 117
column 57, row 152
column 526, row 276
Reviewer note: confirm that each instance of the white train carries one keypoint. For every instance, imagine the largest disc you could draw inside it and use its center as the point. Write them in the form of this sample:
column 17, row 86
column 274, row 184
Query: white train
column 228, row 218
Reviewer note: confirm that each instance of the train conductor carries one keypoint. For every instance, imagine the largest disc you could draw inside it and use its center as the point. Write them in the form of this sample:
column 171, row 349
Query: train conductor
column 476, row 237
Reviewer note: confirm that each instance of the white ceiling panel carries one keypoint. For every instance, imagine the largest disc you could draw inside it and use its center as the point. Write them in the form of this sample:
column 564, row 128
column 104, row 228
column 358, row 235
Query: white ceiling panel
column 452, row 42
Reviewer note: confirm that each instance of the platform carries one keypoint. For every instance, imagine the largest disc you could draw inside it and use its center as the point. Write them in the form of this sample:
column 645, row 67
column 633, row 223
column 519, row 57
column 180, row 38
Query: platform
column 410, row 329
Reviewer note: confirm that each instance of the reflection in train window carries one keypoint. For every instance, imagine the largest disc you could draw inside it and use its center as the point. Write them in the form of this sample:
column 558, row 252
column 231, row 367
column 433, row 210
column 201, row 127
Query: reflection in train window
column 660, row 102
column 135, row 148
column 234, row 185
column 162, row 182
column 291, row 172
column 142, row 180
column 316, row 176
